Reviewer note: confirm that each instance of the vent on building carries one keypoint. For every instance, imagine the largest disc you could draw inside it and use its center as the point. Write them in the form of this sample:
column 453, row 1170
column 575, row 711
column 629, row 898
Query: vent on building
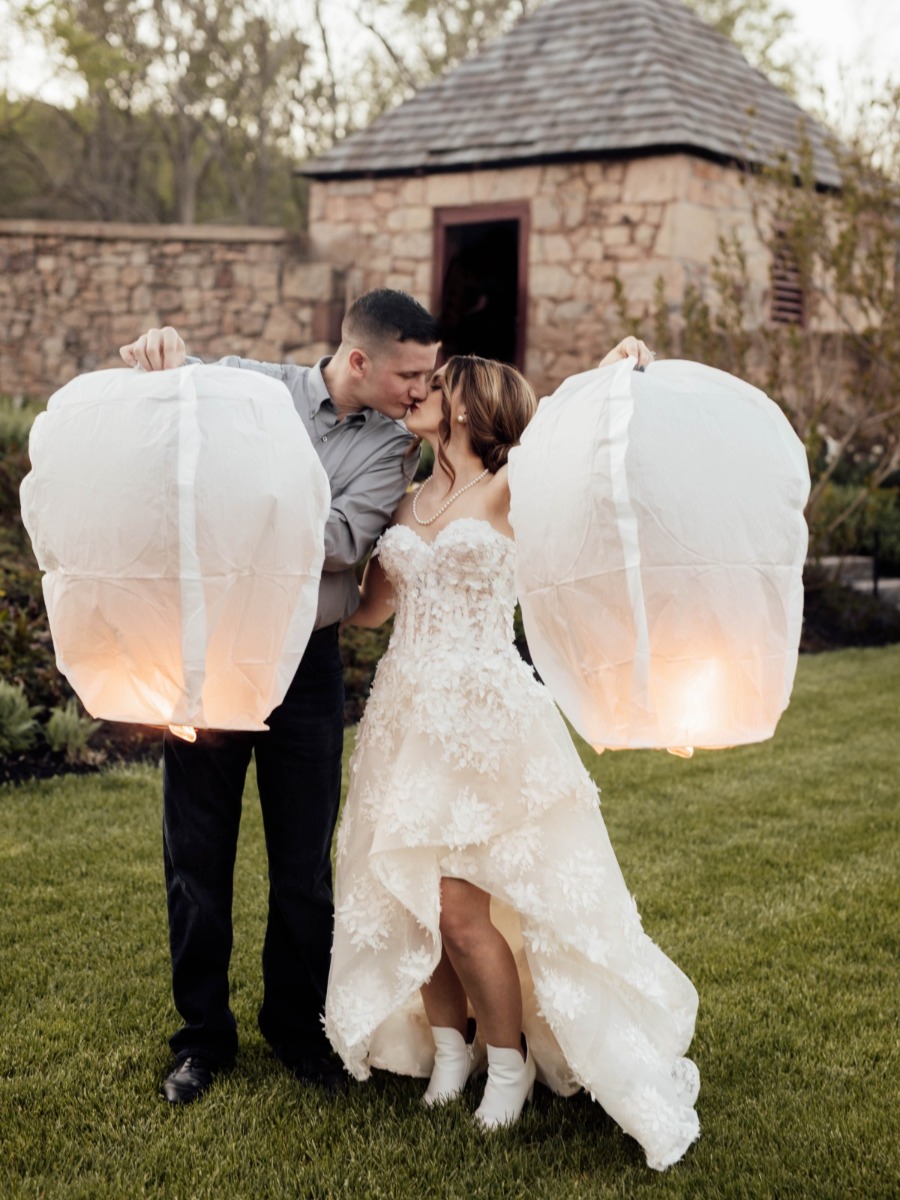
column 788, row 307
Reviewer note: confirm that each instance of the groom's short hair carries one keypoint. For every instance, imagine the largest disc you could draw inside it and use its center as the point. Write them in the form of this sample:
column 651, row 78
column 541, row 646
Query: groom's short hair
column 385, row 315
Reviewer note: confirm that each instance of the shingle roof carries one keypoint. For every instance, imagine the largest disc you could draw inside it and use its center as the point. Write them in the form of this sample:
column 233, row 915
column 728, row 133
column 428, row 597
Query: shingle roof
column 581, row 79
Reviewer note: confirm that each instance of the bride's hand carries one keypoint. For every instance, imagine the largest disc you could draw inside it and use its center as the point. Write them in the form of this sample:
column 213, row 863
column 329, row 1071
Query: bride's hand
column 630, row 347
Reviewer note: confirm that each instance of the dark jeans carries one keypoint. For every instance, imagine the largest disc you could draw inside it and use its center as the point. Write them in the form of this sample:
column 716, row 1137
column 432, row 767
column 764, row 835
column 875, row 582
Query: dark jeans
column 298, row 766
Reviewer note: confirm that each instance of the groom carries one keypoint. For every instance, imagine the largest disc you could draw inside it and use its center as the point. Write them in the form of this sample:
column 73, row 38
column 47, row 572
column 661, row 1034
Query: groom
column 351, row 405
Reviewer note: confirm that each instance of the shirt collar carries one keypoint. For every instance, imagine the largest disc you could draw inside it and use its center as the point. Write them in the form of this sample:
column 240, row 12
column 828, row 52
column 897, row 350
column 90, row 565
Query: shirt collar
column 319, row 394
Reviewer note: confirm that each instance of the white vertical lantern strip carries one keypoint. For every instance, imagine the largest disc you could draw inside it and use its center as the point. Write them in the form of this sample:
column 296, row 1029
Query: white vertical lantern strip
column 659, row 522
column 179, row 518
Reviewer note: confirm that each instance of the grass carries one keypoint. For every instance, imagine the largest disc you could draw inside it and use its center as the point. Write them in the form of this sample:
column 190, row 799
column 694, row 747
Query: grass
column 769, row 873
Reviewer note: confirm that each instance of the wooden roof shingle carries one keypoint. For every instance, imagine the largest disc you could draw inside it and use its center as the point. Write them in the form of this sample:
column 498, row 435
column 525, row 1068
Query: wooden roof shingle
column 582, row 79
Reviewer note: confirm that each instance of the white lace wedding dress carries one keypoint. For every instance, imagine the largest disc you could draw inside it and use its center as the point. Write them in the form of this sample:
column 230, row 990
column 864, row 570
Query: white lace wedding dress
column 464, row 767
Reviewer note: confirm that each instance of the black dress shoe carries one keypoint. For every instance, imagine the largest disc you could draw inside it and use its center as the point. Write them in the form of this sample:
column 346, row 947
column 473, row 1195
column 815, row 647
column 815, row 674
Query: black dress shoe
column 189, row 1079
column 325, row 1071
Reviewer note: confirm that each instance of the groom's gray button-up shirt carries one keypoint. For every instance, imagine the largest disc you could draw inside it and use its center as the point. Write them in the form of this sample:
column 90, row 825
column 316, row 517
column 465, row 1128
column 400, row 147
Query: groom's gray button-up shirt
column 364, row 456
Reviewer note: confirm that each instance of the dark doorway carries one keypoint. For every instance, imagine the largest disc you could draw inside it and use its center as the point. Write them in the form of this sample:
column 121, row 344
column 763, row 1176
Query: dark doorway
column 480, row 262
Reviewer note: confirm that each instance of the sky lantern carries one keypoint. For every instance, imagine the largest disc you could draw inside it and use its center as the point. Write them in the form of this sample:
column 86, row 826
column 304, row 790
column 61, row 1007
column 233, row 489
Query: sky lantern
column 659, row 522
column 179, row 519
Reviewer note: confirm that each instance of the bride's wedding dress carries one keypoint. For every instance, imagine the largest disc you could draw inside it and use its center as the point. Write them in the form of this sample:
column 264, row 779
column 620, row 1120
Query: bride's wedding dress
column 463, row 767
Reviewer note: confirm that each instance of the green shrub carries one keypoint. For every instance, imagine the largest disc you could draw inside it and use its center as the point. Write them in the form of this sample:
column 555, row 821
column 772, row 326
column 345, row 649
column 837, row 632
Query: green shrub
column 26, row 650
column 18, row 726
column 68, row 732
column 873, row 528
column 361, row 650
column 16, row 419
column 835, row 616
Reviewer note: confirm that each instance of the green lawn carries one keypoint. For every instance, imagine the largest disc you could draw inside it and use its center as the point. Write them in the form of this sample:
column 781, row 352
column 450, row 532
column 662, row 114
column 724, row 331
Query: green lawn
column 769, row 873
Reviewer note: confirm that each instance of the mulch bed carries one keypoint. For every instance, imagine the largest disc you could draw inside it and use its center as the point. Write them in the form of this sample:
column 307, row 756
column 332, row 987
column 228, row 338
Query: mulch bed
column 114, row 742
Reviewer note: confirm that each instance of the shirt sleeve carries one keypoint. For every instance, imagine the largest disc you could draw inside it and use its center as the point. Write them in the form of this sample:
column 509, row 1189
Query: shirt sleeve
column 276, row 370
column 362, row 510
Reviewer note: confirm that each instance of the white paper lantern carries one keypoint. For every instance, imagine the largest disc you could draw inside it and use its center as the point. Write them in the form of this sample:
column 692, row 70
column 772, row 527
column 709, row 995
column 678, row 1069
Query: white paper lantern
column 179, row 517
column 661, row 541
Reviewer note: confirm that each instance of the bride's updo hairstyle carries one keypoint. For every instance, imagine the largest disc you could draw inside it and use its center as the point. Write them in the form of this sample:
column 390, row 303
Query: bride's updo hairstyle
column 499, row 403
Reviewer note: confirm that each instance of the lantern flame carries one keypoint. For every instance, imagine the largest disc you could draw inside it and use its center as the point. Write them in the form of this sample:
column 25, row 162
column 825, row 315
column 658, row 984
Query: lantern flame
column 186, row 732
column 703, row 690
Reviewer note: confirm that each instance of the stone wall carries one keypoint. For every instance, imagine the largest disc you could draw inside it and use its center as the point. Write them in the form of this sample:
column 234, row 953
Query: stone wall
column 589, row 223
column 72, row 292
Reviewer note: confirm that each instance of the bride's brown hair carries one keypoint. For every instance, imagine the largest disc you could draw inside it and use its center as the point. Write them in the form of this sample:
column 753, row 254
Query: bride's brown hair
column 499, row 403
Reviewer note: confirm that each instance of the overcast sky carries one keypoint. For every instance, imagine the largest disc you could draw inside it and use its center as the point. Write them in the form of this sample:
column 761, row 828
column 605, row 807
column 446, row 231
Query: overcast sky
column 848, row 42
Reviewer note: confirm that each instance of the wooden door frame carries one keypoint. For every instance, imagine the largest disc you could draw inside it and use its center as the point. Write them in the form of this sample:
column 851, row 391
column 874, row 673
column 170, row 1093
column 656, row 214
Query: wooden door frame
column 476, row 214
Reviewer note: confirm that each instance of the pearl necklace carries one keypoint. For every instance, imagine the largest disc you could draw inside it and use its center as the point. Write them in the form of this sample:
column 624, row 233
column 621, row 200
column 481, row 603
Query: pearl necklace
column 447, row 503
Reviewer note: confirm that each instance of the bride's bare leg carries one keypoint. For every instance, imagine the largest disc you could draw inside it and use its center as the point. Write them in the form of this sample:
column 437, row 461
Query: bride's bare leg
column 444, row 998
column 482, row 961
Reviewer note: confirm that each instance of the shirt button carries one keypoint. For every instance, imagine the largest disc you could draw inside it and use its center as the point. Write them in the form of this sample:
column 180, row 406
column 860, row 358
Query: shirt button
column 325, row 438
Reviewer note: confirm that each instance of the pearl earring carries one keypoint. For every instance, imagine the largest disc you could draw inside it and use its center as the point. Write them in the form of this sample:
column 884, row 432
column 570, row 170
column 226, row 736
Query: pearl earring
column 461, row 419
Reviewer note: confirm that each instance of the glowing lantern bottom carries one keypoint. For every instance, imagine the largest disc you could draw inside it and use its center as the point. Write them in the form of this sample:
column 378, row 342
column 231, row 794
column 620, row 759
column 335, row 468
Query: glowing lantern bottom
column 179, row 517
column 661, row 541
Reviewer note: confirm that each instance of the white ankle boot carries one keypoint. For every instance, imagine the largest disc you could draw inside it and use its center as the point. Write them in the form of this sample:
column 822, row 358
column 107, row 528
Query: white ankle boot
column 510, row 1083
column 454, row 1062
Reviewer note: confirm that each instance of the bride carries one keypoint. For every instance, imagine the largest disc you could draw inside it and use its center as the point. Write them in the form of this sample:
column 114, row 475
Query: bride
column 474, row 871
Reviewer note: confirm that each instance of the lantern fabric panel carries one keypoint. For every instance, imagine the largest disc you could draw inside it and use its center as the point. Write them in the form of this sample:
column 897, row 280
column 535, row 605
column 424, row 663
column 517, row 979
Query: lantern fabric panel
column 659, row 521
column 179, row 517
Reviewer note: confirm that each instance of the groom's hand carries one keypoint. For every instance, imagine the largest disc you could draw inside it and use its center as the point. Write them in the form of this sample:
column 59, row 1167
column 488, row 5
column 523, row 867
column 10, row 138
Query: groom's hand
column 630, row 347
column 155, row 350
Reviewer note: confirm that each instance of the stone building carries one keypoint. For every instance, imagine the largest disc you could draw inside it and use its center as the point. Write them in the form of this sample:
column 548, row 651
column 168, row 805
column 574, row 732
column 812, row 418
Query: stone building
column 596, row 140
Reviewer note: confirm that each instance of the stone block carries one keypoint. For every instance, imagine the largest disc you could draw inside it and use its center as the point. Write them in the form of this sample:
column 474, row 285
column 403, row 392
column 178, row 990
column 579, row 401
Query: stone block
column 639, row 279
column 644, row 236
column 311, row 352
column 573, row 200
column 552, row 281
column 412, row 249
column 625, row 253
column 354, row 187
column 422, row 281
column 616, row 235
column 515, row 183
column 407, row 191
column 656, row 179
column 553, row 248
column 688, row 231
column 546, row 213
column 584, row 288
column 360, row 210
column 589, row 248
column 574, row 310
column 409, row 218
column 602, row 270
column 557, row 175
column 448, row 191
column 308, row 281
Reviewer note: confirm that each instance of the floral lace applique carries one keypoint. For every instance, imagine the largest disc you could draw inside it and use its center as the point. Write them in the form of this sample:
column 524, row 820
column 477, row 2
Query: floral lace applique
column 463, row 767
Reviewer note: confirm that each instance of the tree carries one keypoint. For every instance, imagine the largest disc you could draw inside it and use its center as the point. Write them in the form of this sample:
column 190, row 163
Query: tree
column 172, row 94
column 760, row 29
